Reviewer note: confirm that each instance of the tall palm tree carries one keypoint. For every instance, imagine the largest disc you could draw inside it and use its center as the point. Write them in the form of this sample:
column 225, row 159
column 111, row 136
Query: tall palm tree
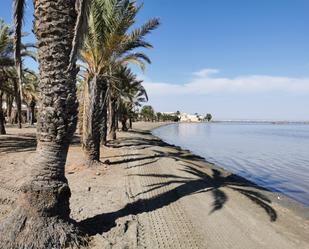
column 6, row 63
column 18, row 16
column 42, row 217
column 7, row 60
column 129, row 95
column 109, row 44
column 30, row 93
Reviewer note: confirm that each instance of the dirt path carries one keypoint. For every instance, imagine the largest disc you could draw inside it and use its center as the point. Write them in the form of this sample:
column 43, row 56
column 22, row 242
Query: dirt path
column 153, row 195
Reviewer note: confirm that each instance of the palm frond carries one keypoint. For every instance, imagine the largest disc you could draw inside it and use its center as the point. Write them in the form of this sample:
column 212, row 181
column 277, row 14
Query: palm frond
column 6, row 62
column 28, row 45
column 4, row 36
column 138, row 59
column 145, row 29
column 30, row 54
column 80, row 31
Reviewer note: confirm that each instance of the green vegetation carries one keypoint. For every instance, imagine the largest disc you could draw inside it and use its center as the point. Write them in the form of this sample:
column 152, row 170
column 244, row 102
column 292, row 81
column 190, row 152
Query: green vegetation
column 15, row 88
column 208, row 117
column 85, row 54
column 163, row 117
column 98, row 38
column 109, row 87
column 147, row 113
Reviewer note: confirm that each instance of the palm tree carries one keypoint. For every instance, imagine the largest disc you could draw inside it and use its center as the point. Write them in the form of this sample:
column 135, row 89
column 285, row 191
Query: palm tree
column 108, row 45
column 9, row 88
column 130, row 95
column 42, row 216
column 5, row 61
column 30, row 93
column 148, row 113
column 18, row 53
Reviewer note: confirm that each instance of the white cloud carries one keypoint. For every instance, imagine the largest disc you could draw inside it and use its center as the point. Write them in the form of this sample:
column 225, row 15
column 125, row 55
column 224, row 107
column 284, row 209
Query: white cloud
column 206, row 72
column 202, row 83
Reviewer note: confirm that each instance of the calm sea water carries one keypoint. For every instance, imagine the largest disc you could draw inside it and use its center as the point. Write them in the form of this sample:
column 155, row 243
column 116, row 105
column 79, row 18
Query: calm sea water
column 275, row 156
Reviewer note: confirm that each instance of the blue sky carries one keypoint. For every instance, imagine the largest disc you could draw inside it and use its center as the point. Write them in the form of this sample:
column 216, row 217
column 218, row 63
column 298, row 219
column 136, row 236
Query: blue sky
column 237, row 59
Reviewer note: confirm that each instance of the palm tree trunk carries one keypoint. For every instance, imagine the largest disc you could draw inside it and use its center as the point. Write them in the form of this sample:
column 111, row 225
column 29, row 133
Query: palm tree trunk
column 130, row 123
column 92, row 121
column 9, row 103
column 116, row 120
column 18, row 104
column 112, row 119
column 32, row 112
column 81, row 115
column 124, row 123
column 2, row 127
column 42, row 217
column 103, row 130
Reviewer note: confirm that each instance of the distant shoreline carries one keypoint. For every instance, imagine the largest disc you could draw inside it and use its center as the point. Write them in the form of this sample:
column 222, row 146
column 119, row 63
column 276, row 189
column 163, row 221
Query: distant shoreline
column 238, row 122
column 260, row 122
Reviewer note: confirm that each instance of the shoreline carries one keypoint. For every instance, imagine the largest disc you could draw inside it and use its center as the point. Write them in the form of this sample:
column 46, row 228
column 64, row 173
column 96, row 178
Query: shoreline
column 275, row 196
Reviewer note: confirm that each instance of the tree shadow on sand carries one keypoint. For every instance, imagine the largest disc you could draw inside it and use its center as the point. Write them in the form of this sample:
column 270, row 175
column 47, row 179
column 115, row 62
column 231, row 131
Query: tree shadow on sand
column 202, row 183
column 197, row 182
column 17, row 143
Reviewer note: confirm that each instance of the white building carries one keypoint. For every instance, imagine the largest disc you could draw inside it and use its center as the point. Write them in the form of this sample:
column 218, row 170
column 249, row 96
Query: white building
column 184, row 117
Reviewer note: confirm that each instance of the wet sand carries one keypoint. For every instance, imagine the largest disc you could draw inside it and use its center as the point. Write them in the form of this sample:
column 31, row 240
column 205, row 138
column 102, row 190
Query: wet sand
column 149, row 194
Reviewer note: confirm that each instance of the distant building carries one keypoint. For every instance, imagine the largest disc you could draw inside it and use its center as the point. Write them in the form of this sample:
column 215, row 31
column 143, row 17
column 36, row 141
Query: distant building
column 184, row 117
column 169, row 113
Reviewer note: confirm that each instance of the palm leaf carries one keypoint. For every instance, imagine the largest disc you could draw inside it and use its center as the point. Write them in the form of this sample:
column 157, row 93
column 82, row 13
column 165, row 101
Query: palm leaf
column 80, row 31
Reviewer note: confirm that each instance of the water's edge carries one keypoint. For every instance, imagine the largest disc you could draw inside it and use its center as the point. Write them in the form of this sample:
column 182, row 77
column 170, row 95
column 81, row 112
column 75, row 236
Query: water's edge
column 276, row 197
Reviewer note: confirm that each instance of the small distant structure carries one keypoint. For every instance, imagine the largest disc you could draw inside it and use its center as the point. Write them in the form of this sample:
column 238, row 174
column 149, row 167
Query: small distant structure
column 185, row 117
column 169, row 113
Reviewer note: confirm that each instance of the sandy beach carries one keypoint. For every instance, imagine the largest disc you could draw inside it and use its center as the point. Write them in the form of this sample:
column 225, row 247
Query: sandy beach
column 149, row 194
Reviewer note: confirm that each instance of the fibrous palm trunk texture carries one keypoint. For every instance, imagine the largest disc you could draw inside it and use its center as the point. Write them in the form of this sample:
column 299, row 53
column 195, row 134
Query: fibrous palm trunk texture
column 112, row 119
column 92, row 120
column 42, row 216
column 18, row 104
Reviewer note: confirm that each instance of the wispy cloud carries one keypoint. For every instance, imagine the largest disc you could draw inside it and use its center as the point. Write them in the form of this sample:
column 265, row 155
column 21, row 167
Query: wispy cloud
column 207, row 81
column 206, row 72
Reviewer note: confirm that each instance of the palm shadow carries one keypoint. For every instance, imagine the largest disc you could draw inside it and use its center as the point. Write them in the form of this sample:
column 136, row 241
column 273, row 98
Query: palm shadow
column 205, row 183
column 17, row 143
column 197, row 182
column 178, row 155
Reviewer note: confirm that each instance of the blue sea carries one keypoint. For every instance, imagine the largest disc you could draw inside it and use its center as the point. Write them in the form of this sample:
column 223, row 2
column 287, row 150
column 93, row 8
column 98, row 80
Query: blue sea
column 275, row 156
